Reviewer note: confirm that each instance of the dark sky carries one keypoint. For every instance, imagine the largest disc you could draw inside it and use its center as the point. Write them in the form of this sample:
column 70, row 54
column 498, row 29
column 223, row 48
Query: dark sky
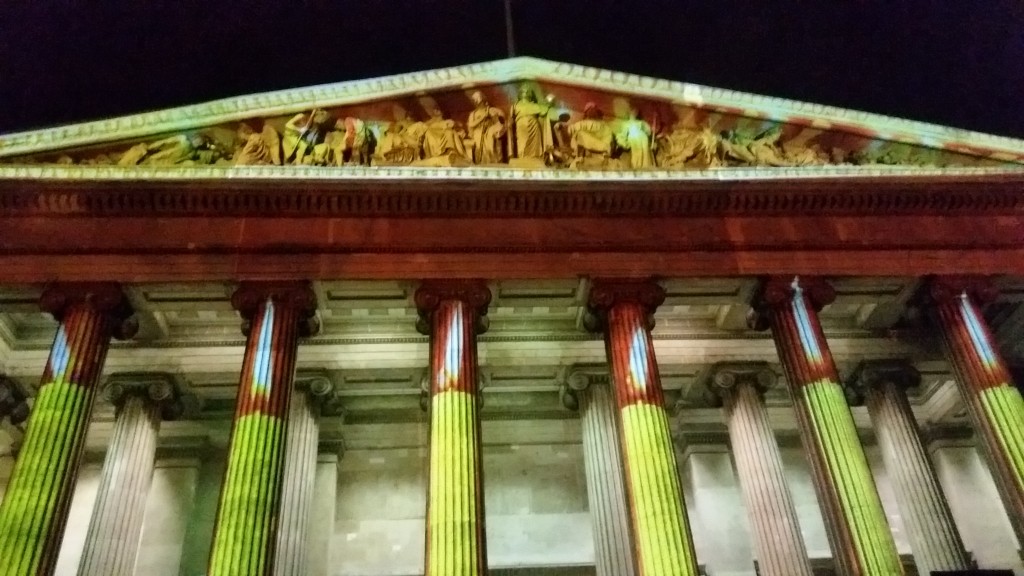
column 953, row 62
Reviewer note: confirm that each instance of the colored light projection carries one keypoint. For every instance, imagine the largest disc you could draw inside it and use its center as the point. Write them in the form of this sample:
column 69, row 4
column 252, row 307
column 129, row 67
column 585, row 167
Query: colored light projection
column 861, row 534
column 983, row 375
column 455, row 511
column 244, row 535
column 664, row 545
column 35, row 506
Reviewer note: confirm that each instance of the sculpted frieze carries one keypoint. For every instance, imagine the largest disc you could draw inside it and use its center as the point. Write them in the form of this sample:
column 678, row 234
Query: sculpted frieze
column 526, row 126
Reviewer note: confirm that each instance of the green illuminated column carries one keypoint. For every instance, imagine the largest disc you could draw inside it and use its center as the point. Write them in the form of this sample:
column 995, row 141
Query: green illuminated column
column 862, row 543
column 993, row 402
column 778, row 542
column 662, row 543
column 35, row 506
column 936, row 543
column 115, row 530
column 453, row 313
column 244, row 537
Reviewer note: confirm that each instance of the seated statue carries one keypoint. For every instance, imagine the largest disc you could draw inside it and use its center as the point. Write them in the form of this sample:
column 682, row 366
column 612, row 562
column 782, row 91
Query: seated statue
column 441, row 140
column 591, row 135
column 400, row 143
column 258, row 148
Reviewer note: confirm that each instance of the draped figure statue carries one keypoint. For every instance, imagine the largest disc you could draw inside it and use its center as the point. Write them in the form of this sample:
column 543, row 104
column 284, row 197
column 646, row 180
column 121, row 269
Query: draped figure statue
column 486, row 125
column 530, row 135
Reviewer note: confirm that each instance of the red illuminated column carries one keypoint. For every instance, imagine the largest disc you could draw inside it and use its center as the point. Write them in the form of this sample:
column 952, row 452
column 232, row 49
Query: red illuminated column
column 993, row 402
column 453, row 313
column 777, row 538
column 244, row 537
column 36, row 503
column 933, row 535
column 662, row 544
column 862, row 543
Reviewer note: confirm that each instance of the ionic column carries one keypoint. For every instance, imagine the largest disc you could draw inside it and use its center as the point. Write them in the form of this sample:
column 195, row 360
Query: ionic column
column 777, row 539
column 993, row 402
column 453, row 313
column 662, row 541
column 606, row 488
column 115, row 531
column 933, row 534
column 35, row 506
column 862, row 543
column 301, row 452
column 244, row 536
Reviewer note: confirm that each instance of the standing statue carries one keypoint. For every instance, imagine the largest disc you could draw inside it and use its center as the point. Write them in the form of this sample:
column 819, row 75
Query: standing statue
column 301, row 136
column 486, row 126
column 351, row 141
column 635, row 135
column 531, row 134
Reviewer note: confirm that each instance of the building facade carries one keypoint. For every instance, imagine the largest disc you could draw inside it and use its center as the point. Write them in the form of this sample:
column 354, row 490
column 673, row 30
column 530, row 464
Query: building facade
column 518, row 317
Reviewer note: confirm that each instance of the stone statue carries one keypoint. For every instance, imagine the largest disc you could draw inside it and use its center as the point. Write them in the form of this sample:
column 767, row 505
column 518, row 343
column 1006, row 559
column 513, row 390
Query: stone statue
column 442, row 140
column 761, row 150
column 258, row 148
column 350, row 141
column 591, row 135
column 486, row 126
column 302, row 134
column 635, row 135
column 530, row 135
column 400, row 143
column 177, row 149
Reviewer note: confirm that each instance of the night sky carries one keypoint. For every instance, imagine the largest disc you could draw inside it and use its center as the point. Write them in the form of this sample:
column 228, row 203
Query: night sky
column 951, row 62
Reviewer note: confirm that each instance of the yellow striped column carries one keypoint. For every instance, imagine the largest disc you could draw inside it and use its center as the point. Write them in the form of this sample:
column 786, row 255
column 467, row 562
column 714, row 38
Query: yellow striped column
column 453, row 313
column 862, row 543
column 36, row 503
column 248, row 513
column 662, row 541
column 993, row 402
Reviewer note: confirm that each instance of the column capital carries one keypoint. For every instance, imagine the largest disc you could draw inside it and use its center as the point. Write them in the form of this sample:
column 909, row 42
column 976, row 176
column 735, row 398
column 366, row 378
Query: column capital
column 12, row 401
column 577, row 380
column 321, row 390
column 726, row 377
column 776, row 291
column 473, row 293
column 606, row 293
column 248, row 297
column 946, row 289
column 103, row 297
column 160, row 388
column 873, row 373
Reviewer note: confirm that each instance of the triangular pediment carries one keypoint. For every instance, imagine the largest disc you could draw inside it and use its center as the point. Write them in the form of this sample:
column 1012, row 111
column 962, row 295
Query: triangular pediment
column 577, row 117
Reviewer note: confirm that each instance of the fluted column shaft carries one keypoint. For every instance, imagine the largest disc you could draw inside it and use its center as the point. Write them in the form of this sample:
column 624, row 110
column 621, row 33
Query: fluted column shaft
column 778, row 541
column 36, row 503
column 933, row 534
column 301, row 453
column 862, row 543
column 662, row 543
column 455, row 538
column 244, row 536
column 995, row 405
column 606, row 488
column 115, row 530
